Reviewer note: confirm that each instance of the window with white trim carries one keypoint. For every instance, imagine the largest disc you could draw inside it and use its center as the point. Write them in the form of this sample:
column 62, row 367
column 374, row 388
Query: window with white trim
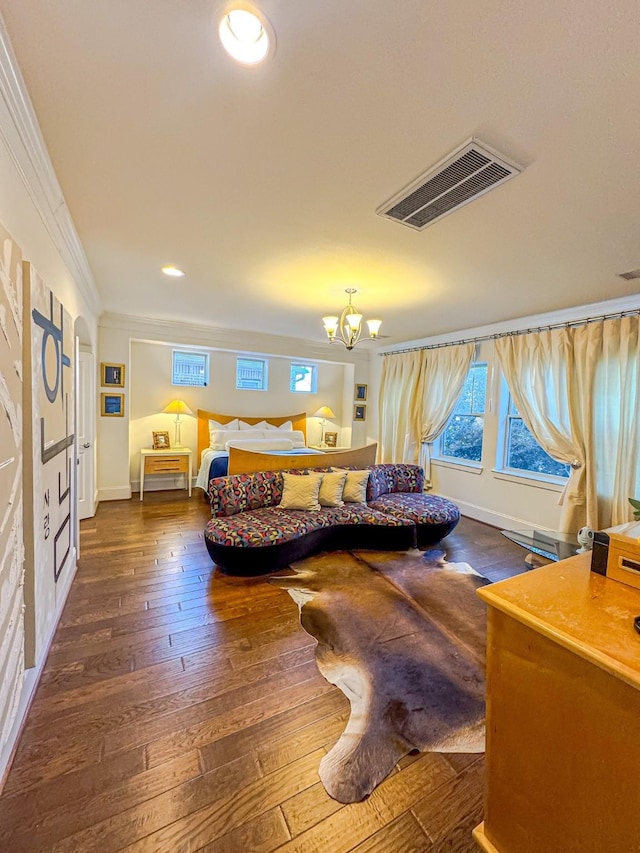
column 304, row 378
column 520, row 451
column 190, row 368
column 462, row 437
column 251, row 374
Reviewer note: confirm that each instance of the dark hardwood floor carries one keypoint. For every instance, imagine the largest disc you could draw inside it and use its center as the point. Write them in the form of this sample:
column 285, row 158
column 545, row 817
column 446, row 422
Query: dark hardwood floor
column 182, row 710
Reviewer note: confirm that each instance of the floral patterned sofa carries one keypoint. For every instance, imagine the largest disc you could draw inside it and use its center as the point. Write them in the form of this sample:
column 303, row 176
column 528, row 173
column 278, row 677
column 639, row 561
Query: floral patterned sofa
column 249, row 533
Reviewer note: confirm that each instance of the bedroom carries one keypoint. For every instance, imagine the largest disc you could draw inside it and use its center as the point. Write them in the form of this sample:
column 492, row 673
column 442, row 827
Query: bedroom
column 547, row 245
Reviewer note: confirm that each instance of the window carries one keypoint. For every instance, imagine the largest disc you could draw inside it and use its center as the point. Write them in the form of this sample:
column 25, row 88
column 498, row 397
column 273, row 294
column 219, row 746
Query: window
column 190, row 368
column 462, row 437
column 251, row 374
column 304, row 378
column 522, row 452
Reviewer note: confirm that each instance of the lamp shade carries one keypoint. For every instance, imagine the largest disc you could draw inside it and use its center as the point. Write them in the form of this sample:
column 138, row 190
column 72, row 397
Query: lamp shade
column 177, row 407
column 323, row 412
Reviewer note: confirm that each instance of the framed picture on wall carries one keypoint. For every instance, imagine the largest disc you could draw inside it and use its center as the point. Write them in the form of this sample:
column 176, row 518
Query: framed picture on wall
column 161, row 441
column 112, row 375
column 360, row 392
column 112, row 405
column 359, row 413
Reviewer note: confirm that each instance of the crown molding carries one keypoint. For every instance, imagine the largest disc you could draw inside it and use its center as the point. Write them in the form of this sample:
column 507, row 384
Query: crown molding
column 575, row 314
column 232, row 340
column 21, row 135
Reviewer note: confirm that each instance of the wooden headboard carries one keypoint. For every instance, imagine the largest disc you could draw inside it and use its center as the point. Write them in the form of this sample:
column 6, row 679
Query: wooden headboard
column 249, row 461
column 299, row 421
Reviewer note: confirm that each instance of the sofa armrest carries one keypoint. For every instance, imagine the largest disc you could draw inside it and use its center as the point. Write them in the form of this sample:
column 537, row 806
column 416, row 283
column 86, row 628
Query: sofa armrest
column 241, row 492
column 392, row 477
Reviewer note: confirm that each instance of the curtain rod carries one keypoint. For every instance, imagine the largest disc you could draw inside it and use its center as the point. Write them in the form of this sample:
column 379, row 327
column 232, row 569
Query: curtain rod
column 632, row 312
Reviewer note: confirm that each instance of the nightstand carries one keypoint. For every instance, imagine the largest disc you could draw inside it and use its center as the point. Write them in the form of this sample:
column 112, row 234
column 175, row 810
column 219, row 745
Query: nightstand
column 176, row 461
column 324, row 449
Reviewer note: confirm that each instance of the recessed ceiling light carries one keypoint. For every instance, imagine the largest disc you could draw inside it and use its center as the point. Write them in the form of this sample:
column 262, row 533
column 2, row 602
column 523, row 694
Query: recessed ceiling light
column 246, row 35
column 174, row 272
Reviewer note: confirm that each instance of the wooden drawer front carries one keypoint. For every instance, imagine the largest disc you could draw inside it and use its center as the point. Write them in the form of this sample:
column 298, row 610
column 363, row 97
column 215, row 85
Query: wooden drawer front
column 166, row 465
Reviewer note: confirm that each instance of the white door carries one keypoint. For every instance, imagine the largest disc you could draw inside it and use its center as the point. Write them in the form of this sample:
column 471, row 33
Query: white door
column 86, row 435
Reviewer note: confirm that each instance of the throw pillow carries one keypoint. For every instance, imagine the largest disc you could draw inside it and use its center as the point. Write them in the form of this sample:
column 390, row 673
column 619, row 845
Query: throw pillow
column 331, row 489
column 216, row 425
column 355, row 487
column 300, row 492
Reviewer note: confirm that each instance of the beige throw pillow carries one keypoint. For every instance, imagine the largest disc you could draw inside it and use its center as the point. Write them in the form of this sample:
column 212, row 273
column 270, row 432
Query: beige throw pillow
column 331, row 489
column 355, row 487
column 301, row 491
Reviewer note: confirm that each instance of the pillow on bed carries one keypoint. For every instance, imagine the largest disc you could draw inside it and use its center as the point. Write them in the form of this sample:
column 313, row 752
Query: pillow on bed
column 296, row 436
column 287, row 425
column 220, row 437
column 300, row 492
column 215, row 425
column 245, row 425
column 260, row 444
column 355, row 487
column 331, row 488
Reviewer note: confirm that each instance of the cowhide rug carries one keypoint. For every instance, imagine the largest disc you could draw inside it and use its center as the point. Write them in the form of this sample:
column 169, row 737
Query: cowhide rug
column 403, row 636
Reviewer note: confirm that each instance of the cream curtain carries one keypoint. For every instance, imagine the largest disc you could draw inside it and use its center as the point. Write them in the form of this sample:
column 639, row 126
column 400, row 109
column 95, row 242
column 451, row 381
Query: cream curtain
column 577, row 391
column 418, row 392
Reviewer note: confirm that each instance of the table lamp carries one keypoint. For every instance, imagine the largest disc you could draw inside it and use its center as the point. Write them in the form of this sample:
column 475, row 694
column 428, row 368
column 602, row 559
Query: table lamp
column 177, row 408
column 323, row 412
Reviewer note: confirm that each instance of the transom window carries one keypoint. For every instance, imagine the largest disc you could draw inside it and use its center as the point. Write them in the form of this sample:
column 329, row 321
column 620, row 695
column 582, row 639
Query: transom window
column 190, row 368
column 522, row 452
column 462, row 437
column 251, row 374
column 304, row 378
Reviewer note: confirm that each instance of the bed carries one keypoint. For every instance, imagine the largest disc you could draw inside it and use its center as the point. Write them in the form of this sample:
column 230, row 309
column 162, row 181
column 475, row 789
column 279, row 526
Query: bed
column 216, row 462
column 219, row 434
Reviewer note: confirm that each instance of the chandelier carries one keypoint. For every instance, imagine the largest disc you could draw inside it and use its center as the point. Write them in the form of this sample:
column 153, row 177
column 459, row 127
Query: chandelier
column 347, row 328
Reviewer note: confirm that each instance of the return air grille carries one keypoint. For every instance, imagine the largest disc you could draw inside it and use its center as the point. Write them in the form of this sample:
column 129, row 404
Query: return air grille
column 469, row 172
column 630, row 276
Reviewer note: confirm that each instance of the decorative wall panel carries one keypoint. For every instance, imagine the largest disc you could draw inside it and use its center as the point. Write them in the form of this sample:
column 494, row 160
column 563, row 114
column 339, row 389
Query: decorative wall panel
column 51, row 434
column 11, row 489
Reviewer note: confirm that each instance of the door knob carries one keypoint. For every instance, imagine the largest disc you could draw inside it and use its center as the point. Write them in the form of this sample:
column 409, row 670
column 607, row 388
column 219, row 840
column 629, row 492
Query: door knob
column 86, row 444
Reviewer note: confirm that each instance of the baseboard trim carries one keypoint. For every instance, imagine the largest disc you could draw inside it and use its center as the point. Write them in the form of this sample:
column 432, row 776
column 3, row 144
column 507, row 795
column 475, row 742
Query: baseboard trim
column 28, row 691
column 115, row 493
column 495, row 519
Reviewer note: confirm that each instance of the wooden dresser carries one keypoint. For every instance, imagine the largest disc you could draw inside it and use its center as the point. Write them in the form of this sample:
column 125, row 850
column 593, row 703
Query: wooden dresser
column 563, row 713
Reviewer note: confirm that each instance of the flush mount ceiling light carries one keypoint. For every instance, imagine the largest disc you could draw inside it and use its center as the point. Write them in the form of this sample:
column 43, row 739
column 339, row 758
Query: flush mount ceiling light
column 172, row 271
column 347, row 328
column 246, row 35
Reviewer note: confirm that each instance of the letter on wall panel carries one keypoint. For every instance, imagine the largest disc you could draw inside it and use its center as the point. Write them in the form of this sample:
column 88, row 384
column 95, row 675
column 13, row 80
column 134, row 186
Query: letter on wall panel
column 11, row 506
column 49, row 474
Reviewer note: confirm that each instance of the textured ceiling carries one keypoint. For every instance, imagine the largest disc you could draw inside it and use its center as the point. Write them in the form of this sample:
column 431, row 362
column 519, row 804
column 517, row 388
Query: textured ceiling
column 262, row 183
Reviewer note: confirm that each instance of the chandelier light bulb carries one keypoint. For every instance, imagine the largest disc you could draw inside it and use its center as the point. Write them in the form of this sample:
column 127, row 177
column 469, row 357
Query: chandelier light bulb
column 347, row 328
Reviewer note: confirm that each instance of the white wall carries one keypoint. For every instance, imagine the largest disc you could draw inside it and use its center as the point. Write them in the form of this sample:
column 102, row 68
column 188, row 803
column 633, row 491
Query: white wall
column 151, row 390
column 32, row 210
column 144, row 347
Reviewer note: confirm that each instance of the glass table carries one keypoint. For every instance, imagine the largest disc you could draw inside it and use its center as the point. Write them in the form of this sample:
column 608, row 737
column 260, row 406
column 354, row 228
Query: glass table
column 552, row 546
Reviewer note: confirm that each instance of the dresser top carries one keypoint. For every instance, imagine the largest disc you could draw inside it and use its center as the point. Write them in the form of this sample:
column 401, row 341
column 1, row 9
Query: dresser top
column 589, row 614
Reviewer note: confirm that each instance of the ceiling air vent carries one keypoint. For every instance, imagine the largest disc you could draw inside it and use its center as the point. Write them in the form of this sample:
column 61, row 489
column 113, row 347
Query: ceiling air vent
column 469, row 172
column 630, row 276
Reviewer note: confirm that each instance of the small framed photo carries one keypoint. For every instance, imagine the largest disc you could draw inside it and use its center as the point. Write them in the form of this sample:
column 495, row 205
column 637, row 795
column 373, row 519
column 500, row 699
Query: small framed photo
column 112, row 375
column 161, row 441
column 359, row 413
column 360, row 393
column 331, row 439
column 112, row 405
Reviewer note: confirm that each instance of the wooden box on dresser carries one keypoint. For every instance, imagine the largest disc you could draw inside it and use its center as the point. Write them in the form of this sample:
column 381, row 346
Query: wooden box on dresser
column 563, row 713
